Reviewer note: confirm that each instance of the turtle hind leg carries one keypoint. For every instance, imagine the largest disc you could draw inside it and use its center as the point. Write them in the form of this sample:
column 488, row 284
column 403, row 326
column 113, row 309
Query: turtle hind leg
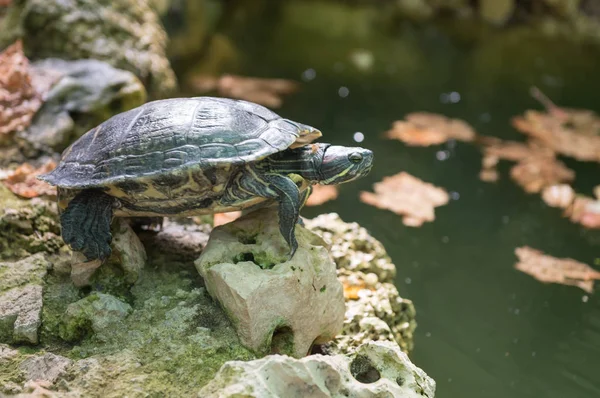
column 86, row 223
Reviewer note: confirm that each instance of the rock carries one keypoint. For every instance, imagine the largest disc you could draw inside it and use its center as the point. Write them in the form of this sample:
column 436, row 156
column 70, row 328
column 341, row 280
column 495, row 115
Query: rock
column 27, row 227
column 82, row 271
column 374, row 308
column 376, row 313
column 48, row 367
column 128, row 253
column 98, row 312
column 20, row 310
column 125, row 33
column 86, row 87
column 273, row 302
column 352, row 247
column 378, row 369
column 31, row 269
column 496, row 12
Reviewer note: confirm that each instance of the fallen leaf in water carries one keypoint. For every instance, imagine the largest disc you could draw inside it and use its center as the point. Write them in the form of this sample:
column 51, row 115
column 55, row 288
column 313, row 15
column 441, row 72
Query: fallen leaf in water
column 19, row 100
column 5, row 3
column 561, row 195
column 23, row 182
column 549, row 269
column 424, row 129
column 321, row 194
column 571, row 132
column 597, row 191
column 267, row 92
column 407, row 196
column 225, row 218
column 536, row 173
column 585, row 211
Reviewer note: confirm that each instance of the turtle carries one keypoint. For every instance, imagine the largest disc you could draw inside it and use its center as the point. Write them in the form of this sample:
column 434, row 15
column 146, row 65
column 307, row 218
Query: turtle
column 193, row 156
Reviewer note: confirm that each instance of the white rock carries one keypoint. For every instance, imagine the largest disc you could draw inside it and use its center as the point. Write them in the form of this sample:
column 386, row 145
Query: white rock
column 48, row 367
column 128, row 251
column 379, row 369
column 20, row 310
column 245, row 269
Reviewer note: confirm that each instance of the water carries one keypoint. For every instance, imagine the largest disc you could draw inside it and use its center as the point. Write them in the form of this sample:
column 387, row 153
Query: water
column 484, row 329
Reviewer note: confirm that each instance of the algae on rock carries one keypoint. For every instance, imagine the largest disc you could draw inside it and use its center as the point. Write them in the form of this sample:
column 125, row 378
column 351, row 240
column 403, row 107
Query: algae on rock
column 27, row 226
column 275, row 304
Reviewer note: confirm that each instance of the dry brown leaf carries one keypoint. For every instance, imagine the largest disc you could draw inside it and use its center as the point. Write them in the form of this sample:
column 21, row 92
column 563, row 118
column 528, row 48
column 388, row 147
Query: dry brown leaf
column 23, row 181
column 549, row 269
column 597, row 191
column 585, row 211
column 407, row 196
column 571, row 132
column 561, row 195
column 321, row 194
column 225, row 218
column 514, row 151
column 536, row 173
column 19, row 100
column 267, row 92
column 424, row 129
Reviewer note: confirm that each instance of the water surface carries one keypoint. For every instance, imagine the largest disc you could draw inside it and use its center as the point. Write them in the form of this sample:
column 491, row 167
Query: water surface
column 484, row 329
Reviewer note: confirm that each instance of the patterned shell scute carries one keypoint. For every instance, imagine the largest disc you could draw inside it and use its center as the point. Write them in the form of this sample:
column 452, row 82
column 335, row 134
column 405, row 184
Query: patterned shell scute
column 168, row 135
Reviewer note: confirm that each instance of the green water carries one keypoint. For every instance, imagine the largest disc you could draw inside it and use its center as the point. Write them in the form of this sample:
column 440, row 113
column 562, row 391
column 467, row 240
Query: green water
column 484, row 329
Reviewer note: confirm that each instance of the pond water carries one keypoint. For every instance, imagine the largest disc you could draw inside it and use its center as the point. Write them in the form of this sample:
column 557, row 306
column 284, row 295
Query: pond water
column 484, row 329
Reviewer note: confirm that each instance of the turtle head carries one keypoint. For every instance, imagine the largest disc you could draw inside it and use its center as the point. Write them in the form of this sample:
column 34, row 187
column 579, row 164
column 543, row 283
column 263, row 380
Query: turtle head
column 342, row 164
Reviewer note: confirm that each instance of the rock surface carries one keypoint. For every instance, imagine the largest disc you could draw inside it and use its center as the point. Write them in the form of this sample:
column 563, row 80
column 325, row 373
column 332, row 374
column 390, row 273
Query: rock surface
column 27, row 227
column 20, row 314
column 352, row 248
column 84, row 87
column 21, row 298
column 374, row 308
column 278, row 305
column 48, row 367
column 378, row 369
column 98, row 312
column 125, row 33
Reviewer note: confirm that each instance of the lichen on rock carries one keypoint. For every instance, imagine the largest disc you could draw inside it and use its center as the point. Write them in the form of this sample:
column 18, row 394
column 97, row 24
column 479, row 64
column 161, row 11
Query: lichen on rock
column 377, row 369
column 275, row 304
column 27, row 226
column 374, row 308
column 352, row 247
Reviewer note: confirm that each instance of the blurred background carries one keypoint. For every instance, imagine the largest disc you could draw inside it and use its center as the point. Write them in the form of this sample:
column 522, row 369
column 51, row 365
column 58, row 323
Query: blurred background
column 353, row 68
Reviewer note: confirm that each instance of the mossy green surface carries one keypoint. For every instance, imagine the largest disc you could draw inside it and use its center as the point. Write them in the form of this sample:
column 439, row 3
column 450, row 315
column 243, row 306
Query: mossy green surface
column 27, row 226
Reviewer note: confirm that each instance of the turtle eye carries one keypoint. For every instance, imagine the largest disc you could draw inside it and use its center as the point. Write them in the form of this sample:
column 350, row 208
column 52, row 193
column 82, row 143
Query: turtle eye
column 355, row 157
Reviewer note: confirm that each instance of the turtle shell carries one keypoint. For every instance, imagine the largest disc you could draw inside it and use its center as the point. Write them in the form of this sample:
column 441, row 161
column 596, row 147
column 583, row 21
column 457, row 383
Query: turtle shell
column 165, row 136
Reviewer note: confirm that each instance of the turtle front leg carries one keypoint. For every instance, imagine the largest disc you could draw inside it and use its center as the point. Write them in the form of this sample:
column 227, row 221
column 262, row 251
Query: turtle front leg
column 285, row 191
column 86, row 224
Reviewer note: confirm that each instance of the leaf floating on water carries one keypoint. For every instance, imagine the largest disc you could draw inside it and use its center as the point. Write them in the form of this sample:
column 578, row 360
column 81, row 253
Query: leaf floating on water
column 322, row 194
column 23, row 181
column 549, row 269
column 535, row 173
column 561, row 195
column 267, row 92
column 19, row 100
column 571, row 132
column 585, row 211
column 225, row 218
column 424, row 129
column 407, row 196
